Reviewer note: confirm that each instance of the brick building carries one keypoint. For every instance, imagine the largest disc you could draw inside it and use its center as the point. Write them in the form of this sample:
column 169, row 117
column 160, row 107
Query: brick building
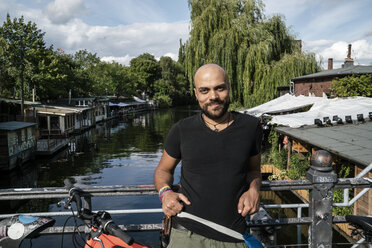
column 319, row 84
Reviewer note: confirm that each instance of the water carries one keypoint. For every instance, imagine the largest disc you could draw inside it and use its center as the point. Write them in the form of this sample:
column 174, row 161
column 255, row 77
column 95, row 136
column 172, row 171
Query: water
column 113, row 153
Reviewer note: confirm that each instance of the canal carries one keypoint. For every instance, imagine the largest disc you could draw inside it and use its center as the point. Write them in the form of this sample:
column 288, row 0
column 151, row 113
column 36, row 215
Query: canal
column 124, row 152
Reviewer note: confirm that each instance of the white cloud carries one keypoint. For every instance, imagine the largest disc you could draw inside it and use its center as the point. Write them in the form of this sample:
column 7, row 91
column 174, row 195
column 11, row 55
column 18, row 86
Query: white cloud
column 172, row 55
column 115, row 42
column 118, row 41
column 361, row 51
column 122, row 60
column 62, row 11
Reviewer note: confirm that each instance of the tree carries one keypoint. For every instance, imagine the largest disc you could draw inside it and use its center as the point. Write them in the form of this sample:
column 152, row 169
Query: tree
column 55, row 76
column 24, row 43
column 146, row 70
column 172, row 88
column 4, row 88
column 354, row 85
column 112, row 79
column 258, row 54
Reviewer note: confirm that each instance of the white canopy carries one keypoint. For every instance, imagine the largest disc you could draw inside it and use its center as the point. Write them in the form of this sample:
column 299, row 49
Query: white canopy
column 138, row 99
column 284, row 103
column 120, row 104
column 322, row 107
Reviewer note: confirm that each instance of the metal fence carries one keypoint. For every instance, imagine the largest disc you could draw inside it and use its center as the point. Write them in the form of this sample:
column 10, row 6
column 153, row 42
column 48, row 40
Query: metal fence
column 320, row 181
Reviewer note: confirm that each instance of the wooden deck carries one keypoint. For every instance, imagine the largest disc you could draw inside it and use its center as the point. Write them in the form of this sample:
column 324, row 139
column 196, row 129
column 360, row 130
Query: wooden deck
column 46, row 147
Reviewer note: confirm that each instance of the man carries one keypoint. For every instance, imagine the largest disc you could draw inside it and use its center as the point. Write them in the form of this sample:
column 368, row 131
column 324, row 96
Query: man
column 220, row 174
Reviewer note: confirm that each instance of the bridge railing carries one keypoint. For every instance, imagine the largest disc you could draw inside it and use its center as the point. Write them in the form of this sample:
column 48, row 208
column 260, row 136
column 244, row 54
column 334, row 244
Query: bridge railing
column 320, row 181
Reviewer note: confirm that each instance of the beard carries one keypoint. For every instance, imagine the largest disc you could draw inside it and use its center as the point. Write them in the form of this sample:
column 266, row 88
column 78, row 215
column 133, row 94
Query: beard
column 215, row 116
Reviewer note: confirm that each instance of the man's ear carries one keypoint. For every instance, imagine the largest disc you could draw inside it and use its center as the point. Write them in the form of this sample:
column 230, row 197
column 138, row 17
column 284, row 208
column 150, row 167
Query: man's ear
column 195, row 93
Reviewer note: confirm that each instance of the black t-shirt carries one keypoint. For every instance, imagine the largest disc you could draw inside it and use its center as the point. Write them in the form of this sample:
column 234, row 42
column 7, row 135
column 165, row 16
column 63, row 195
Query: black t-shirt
column 214, row 170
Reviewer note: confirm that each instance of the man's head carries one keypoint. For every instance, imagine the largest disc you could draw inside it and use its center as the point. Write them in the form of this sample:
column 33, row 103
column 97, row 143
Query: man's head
column 212, row 90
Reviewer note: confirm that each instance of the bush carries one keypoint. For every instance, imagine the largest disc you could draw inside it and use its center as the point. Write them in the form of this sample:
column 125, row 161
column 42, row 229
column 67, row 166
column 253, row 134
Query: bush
column 235, row 106
column 278, row 158
column 355, row 85
column 298, row 166
column 164, row 101
column 338, row 194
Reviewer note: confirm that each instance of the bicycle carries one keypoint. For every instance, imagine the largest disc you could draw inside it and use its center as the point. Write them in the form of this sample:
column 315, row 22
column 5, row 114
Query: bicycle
column 363, row 227
column 104, row 233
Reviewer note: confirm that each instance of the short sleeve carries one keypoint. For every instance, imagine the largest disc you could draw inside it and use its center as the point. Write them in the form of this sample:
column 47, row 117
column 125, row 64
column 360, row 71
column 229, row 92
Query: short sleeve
column 173, row 141
column 257, row 141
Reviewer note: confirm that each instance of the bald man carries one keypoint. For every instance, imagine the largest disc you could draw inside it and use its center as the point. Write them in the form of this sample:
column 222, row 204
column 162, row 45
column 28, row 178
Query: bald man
column 220, row 173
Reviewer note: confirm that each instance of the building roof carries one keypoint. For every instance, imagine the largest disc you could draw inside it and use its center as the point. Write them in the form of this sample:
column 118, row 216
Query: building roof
column 351, row 141
column 59, row 110
column 15, row 125
column 17, row 101
column 353, row 69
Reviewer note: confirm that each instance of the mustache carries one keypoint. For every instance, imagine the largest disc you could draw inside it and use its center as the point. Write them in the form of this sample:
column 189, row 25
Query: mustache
column 219, row 101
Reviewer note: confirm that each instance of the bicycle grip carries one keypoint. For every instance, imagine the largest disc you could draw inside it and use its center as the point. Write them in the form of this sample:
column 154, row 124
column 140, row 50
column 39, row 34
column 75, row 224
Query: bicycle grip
column 68, row 184
column 113, row 229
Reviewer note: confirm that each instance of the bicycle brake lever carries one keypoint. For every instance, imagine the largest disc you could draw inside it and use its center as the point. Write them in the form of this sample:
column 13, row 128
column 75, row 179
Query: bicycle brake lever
column 67, row 204
column 99, row 240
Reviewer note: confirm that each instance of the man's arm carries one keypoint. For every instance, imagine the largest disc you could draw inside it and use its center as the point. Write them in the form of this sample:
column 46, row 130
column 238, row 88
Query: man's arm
column 249, row 202
column 171, row 201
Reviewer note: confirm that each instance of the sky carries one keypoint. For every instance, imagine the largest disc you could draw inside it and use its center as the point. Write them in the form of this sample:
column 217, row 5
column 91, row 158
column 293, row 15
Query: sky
column 119, row 30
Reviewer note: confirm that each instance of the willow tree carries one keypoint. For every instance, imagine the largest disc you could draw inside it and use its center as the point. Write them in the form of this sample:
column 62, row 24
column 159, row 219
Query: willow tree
column 258, row 53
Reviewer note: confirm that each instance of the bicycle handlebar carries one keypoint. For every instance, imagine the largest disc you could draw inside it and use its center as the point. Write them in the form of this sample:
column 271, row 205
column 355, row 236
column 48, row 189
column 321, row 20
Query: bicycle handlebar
column 74, row 192
column 113, row 229
column 103, row 219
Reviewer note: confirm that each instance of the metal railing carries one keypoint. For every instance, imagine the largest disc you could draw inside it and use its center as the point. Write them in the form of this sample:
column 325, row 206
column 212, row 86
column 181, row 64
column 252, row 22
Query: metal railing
column 320, row 182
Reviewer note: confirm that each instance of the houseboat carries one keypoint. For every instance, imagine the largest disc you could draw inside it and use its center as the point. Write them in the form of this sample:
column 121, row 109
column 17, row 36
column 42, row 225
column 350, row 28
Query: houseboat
column 17, row 143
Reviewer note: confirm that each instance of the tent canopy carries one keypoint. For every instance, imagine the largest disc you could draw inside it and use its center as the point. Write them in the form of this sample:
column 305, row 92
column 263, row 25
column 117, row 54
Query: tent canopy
column 321, row 107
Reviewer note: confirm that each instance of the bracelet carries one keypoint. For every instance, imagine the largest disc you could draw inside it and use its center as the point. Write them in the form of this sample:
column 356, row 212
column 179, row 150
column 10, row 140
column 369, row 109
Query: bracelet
column 163, row 189
column 164, row 192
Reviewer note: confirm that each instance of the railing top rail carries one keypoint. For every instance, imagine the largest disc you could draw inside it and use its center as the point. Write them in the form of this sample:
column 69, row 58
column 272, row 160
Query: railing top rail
column 121, row 190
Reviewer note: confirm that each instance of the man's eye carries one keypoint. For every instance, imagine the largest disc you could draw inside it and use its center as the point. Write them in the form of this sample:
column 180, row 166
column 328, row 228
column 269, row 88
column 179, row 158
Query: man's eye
column 203, row 91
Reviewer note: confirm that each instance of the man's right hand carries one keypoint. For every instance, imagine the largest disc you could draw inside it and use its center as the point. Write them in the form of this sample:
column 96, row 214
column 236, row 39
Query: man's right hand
column 172, row 203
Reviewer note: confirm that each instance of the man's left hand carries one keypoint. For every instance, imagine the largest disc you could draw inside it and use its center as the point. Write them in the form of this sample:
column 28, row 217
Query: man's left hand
column 249, row 202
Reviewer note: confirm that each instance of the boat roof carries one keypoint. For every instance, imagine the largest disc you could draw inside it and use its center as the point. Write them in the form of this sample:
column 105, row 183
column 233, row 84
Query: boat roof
column 15, row 125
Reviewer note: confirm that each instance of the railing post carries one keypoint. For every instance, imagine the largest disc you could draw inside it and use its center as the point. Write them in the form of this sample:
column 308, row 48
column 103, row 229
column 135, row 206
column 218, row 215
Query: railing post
column 323, row 179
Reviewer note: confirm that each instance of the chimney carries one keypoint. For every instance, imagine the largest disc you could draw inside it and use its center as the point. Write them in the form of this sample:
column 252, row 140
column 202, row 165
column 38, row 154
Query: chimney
column 330, row 64
column 349, row 61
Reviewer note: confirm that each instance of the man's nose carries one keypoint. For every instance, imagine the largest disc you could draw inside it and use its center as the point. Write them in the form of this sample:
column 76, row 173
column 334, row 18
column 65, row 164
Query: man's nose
column 214, row 94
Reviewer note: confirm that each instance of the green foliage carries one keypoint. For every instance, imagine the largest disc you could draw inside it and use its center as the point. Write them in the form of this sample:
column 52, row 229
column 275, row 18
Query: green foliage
column 276, row 157
column 147, row 71
column 258, row 54
column 354, row 85
column 235, row 106
column 25, row 45
column 338, row 194
column 298, row 166
column 164, row 101
column 280, row 176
